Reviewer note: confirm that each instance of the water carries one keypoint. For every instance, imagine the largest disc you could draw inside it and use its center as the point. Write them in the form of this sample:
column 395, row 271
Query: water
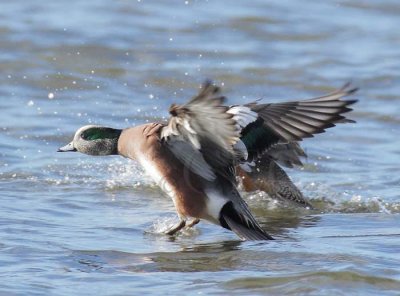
column 72, row 224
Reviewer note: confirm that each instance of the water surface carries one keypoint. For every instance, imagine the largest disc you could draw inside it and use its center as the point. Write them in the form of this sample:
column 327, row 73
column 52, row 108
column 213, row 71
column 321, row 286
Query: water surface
column 71, row 224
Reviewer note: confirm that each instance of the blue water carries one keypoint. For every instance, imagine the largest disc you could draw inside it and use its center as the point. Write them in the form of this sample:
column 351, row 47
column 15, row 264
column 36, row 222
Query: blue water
column 71, row 224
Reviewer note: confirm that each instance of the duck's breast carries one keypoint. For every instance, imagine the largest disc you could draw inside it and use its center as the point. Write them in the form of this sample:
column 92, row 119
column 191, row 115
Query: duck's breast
column 184, row 187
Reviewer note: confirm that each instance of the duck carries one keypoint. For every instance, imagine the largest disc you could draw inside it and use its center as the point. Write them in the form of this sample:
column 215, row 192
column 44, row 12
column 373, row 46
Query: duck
column 199, row 156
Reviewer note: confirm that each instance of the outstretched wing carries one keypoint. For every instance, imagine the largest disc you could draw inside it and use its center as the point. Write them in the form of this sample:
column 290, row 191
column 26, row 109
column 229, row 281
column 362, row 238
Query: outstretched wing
column 201, row 133
column 293, row 121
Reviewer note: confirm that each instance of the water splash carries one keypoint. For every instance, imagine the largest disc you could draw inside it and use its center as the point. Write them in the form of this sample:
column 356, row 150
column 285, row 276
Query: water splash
column 326, row 200
column 161, row 225
column 125, row 174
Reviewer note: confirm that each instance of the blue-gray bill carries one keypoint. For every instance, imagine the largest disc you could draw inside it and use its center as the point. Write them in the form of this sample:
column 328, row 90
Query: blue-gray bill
column 67, row 148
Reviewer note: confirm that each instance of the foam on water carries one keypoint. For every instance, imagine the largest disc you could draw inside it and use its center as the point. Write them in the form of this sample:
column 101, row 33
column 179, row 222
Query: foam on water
column 126, row 174
column 325, row 200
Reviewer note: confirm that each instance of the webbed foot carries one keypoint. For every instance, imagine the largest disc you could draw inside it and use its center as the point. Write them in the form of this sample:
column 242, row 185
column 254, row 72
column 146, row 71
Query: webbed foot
column 176, row 228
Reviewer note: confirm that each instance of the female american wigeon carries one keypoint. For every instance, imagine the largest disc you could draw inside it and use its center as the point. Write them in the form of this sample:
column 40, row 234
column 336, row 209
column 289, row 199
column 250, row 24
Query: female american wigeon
column 196, row 157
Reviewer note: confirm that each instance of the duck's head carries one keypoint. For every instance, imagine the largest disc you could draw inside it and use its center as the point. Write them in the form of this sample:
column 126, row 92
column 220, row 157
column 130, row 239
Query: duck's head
column 94, row 140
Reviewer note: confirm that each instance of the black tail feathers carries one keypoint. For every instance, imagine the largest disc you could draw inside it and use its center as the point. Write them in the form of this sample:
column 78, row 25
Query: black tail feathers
column 247, row 229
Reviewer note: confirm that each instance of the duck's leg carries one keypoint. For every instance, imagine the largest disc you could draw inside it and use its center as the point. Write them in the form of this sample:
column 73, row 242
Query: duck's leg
column 176, row 228
column 193, row 222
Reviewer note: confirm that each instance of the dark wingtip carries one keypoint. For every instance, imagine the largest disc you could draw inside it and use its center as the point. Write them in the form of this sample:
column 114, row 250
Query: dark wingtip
column 348, row 89
column 173, row 110
column 209, row 86
column 351, row 102
column 346, row 120
column 352, row 90
column 207, row 83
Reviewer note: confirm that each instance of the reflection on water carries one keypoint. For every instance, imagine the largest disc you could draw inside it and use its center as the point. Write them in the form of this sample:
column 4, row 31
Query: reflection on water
column 68, row 221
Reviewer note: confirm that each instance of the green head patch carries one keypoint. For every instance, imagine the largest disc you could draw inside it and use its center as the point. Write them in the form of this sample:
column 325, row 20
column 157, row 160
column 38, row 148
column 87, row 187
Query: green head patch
column 96, row 133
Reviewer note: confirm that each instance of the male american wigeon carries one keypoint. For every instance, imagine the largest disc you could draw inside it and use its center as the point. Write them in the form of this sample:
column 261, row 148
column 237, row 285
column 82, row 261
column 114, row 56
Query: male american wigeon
column 197, row 155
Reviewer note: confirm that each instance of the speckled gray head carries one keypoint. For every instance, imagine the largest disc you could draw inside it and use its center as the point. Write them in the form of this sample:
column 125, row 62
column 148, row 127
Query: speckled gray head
column 94, row 140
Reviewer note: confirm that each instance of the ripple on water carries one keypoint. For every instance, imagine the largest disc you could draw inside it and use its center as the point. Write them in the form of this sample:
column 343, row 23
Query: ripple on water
column 310, row 283
column 71, row 224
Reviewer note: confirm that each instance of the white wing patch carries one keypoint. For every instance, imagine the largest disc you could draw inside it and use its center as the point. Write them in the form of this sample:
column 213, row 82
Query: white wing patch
column 242, row 115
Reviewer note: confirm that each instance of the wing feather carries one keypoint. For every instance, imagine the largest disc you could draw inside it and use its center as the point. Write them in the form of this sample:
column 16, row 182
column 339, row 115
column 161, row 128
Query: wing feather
column 191, row 158
column 296, row 120
column 205, row 124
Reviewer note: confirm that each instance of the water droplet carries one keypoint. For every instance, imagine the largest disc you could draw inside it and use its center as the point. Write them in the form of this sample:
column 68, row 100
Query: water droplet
column 50, row 96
